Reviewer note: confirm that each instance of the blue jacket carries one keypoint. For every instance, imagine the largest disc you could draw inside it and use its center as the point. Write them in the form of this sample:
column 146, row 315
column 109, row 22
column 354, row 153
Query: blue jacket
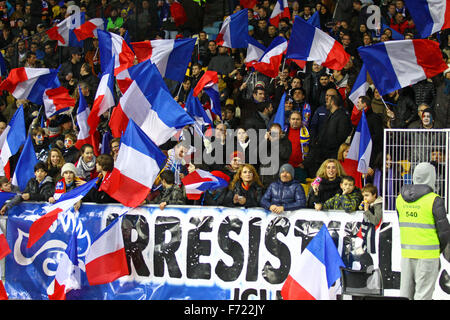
column 290, row 195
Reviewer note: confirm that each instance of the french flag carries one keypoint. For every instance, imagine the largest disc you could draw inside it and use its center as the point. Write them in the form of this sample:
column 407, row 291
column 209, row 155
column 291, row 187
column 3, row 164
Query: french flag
column 89, row 28
column 57, row 100
column 106, row 258
column 255, row 51
column 30, row 83
column 429, row 16
column 309, row 43
column 280, row 115
column 52, row 211
column 395, row 35
column 209, row 83
column 4, row 246
column 68, row 273
column 199, row 181
column 314, row 272
column 84, row 133
column 25, row 165
column 63, row 32
column 195, row 109
column 361, row 146
column 396, row 64
column 151, row 107
column 269, row 63
column 281, row 10
column 104, row 98
column 12, row 138
column 234, row 31
column 171, row 56
column 360, row 86
column 137, row 165
column 113, row 47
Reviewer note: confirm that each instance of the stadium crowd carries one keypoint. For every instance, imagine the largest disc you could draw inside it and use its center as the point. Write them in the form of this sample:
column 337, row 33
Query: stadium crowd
column 320, row 118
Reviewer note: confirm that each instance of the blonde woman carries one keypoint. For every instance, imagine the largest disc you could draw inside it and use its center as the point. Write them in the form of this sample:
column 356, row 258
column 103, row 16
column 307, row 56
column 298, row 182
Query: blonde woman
column 246, row 188
column 330, row 173
column 55, row 162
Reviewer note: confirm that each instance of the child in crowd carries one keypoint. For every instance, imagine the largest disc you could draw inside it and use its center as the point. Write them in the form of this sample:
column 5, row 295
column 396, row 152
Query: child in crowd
column 373, row 214
column 170, row 193
column 348, row 200
column 70, row 152
column 39, row 188
column 7, row 186
column 68, row 182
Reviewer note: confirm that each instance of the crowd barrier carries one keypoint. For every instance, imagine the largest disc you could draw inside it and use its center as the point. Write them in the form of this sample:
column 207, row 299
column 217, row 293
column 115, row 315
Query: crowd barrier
column 190, row 252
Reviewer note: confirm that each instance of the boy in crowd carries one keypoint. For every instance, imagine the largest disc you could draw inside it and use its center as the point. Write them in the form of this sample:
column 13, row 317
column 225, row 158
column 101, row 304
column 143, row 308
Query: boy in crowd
column 348, row 200
column 170, row 193
column 373, row 213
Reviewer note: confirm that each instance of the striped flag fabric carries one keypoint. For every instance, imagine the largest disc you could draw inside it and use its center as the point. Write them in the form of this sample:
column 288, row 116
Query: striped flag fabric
column 309, row 43
column 89, row 28
column 314, row 272
column 52, row 211
column 24, row 170
column 30, row 83
column 360, row 86
column 361, row 146
column 209, row 83
column 281, row 10
column 195, row 109
column 429, row 16
column 4, row 246
column 106, row 259
column 68, row 273
column 57, row 100
column 137, row 165
column 396, row 64
column 255, row 51
column 171, row 56
column 269, row 63
column 234, row 31
column 113, row 47
column 199, row 181
column 63, row 32
column 84, row 134
column 12, row 138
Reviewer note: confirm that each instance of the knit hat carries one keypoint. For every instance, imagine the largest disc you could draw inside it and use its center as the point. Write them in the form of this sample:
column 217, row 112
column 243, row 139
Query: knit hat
column 69, row 167
column 289, row 168
column 425, row 173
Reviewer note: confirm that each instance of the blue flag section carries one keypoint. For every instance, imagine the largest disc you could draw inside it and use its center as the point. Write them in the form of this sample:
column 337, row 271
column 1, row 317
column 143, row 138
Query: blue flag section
column 186, row 253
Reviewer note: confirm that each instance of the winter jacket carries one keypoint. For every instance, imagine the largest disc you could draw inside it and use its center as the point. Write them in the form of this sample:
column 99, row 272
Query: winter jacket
column 40, row 191
column 252, row 195
column 348, row 202
column 413, row 192
column 290, row 195
column 172, row 195
column 327, row 189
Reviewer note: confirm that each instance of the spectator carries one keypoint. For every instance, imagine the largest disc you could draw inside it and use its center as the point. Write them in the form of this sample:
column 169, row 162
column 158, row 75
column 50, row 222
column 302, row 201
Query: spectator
column 40, row 144
column 55, row 161
column 171, row 193
column 104, row 164
column 223, row 63
column 115, row 145
column 86, row 163
column 286, row 194
column 348, row 199
column 401, row 109
column 71, row 69
column 349, row 165
column 7, row 186
column 373, row 215
column 50, row 58
column 68, row 182
column 245, row 190
column 330, row 173
column 242, row 142
column 298, row 135
column 261, row 118
column 70, row 152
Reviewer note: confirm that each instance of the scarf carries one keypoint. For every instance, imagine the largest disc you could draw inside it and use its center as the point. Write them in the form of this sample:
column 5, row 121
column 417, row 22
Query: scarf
column 86, row 168
column 304, row 141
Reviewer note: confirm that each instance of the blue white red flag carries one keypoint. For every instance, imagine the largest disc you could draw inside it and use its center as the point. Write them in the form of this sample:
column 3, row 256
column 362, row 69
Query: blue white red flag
column 209, row 83
column 53, row 211
column 314, row 272
column 396, row 64
column 281, row 10
column 84, row 133
column 151, row 107
column 89, row 28
column 106, row 259
column 395, row 34
column 269, row 63
column 429, row 16
column 195, row 109
column 314, row 20
column 199, row 181
column 12, row 138
column 234, row 31
column 57, row 100
column 255, row 51
column 30, row 83
column 280, row 115
column 137, row 165
column 113, row 47
column 63, row 32
column 24, row 170
column 361, row 146
column 104, row 98
column 171, row 56
column 360, row 86
column 309, row 43
column 68, row 273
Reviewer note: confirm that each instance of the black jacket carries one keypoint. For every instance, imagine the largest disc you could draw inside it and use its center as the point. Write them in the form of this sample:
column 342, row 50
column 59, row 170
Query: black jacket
column 252, row 195
column 327, row 189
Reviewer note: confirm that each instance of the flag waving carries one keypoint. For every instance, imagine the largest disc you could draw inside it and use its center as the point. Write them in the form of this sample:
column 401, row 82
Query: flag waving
column 24, row 170
column 199, row 181
column 360, row 86
column 234, row 31
column 57, row 100
column 138, row 163
column 113, row 47
column 315, row 271
column 361, row 146
column 429, row 16
column 281, row 10
column 209, row 84
column 64, row 203
column 269, row 63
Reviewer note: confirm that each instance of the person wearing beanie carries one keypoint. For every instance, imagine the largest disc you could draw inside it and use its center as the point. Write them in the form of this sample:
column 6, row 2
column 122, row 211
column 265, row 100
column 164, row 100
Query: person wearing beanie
column 286, row 194
column 424, row 233
column 68, row 182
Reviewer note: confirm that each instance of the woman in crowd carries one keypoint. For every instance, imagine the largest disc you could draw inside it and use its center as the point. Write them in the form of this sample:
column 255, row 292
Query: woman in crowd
column 350, row 167
column 104, row 165
column 330, row 173
column 86, row 163
column 55, row 162
column 245, row 190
